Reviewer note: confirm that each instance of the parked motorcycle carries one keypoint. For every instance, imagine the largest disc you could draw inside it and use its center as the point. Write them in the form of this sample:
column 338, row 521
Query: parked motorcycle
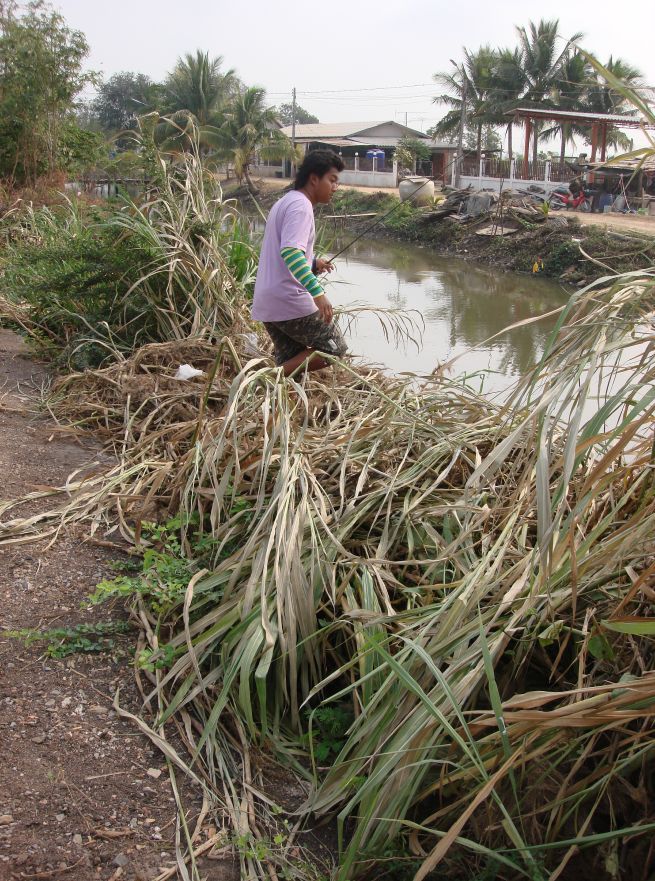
column 562, row 197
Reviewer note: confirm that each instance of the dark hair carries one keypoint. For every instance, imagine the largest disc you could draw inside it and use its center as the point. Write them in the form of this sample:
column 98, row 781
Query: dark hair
column 317, row 162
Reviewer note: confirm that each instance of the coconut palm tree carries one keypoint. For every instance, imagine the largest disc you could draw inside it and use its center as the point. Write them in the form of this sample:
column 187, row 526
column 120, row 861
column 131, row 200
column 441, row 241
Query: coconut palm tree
column 250, row 127
column 507, row 87
column 542, row 62
column 602, row 97
column 197, row 86
column 475, row 79
column 569, row 93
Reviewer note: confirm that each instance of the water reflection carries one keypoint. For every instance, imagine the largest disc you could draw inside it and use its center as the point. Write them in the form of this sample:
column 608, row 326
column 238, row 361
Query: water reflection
column 462, row 304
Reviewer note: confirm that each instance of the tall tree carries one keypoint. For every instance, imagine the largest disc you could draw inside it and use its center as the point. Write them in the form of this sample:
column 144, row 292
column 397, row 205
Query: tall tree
column 198, row 86
column 490, row 139
column 40, row 76
column 475, row 79
column 124, row 97
column 542, row 62
column 569, row 89
column 285, row 114
column 507, row 87
column 601, row 97
column 249, row 127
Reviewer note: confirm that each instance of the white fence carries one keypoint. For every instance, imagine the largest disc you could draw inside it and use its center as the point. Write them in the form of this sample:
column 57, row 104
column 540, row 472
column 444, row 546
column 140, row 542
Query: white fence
column 493, row 174
column 352, row 175
column 363, row 172
column 495, row 183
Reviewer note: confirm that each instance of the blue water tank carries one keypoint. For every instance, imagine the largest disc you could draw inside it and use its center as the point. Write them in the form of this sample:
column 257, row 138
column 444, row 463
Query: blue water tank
column 376, row 153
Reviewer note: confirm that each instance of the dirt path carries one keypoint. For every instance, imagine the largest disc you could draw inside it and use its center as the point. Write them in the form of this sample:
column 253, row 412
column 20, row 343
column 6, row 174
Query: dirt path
column 83, row 796
column 619, row 222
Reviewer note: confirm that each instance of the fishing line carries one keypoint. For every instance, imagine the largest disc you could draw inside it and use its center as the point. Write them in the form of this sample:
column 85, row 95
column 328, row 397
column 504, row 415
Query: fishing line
column 385, row 215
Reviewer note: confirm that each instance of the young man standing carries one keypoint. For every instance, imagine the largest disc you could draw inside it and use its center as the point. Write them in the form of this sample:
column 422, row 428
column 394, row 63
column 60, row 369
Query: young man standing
column 289, row 298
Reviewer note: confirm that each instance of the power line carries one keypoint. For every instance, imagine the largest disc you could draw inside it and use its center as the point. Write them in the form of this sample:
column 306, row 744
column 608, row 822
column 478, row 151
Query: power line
column 360, row 89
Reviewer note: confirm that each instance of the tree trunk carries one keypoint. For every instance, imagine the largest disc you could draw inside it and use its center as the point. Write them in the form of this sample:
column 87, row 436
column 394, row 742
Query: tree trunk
column 249, row 182
column 479, row 141
column 509, row 142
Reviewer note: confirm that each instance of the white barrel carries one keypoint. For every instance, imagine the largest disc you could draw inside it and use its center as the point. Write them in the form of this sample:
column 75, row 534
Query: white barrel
column 419, row 189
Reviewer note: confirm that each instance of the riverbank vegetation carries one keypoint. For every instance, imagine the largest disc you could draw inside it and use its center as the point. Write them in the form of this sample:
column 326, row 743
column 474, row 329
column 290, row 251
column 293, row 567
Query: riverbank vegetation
column 432, row 612
column 561, row 248
column 420, row 614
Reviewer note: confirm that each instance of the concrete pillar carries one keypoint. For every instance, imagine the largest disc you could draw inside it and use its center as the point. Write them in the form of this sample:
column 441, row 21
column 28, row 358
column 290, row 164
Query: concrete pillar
column 512, row 169
column 603, row 142
column 526, row 148
column 548, row 170
column 356, row 161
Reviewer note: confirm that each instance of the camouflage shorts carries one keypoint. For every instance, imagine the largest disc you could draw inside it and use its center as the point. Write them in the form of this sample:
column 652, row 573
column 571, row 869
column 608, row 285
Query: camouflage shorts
column 309, row 332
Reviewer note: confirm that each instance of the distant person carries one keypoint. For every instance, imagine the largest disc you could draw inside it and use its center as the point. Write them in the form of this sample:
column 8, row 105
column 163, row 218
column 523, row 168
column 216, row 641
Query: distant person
column 605, row 199
column 575, row 186
column 289, row 299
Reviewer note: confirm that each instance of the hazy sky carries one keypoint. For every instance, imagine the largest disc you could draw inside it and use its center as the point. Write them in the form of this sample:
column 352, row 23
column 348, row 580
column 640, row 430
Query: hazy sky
column 370, row 60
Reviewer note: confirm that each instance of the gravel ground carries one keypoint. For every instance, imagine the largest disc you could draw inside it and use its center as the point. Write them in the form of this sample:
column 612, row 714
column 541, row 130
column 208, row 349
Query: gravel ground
column 83, row 795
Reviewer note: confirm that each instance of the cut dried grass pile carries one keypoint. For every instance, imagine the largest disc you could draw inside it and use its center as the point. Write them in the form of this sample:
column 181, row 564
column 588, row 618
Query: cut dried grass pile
column 468, row 586
column 471, row 583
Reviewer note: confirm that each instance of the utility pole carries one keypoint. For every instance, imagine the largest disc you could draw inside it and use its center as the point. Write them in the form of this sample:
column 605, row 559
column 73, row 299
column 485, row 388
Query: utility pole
column 293, row 128
column 460, row 139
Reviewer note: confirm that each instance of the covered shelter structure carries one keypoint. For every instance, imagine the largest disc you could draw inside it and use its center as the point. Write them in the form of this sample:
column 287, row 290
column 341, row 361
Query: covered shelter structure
column 599, row 123
column 634, row 179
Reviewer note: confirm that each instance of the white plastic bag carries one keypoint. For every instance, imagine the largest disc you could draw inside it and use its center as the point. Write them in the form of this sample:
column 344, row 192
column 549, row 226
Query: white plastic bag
column 186, row 371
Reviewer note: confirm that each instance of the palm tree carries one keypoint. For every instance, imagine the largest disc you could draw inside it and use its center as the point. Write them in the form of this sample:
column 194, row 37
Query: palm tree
column 197, row 86
column 602, row 97
column 249, row 127
column 507, row 86
column 475, row 77
column 569, row 89
column 542, row 64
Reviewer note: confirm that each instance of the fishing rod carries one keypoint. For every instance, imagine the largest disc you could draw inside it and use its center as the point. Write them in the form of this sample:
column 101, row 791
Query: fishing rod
column 376, row 223
column 385, row 215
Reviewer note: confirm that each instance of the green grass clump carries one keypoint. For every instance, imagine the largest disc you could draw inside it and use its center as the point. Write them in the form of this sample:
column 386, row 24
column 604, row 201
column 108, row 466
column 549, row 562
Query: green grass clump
column 78, row 639
column 73, row 269
column 99, row 282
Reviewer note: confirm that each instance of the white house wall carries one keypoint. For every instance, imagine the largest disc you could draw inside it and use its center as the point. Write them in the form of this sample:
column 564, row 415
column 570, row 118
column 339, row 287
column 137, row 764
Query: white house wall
column 376, row 179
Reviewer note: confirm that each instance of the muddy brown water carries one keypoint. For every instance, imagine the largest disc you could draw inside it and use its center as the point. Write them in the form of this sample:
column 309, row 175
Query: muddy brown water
column 462, row 304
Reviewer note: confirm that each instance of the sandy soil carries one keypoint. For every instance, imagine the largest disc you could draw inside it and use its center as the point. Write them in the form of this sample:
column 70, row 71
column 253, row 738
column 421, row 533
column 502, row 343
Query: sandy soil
column 83, row 795
column 619, row 222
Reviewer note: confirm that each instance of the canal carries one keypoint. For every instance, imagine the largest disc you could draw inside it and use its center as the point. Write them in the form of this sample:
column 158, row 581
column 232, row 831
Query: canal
column 461, row 303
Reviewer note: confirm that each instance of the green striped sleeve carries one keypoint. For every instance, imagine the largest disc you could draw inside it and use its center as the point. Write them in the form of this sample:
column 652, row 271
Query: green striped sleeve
column 299, row 267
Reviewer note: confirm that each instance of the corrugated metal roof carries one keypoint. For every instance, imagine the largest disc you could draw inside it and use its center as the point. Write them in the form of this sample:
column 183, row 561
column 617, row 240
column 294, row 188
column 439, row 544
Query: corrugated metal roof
column 647, row 165
column 321, row 130
column 351, row 142
column 318, row 130
column 574, row 116
column 375, row 142
column 331, row 142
